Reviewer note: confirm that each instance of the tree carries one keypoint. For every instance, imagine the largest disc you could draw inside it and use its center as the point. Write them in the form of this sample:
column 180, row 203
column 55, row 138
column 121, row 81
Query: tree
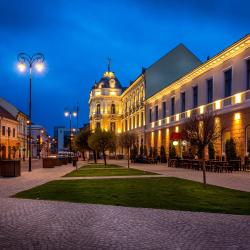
column 81, row 142
column 127, row 140
column 200, row 130
column 211, row 151
column 102, row 141
column 231, row 150
column 163, row 154
column 172, row 151
column 145, row 151
column 151, row 152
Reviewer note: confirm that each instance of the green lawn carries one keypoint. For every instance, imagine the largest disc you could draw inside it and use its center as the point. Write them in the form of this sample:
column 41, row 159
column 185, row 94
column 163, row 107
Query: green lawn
column 109, row 170
column 166, row 193
column 100, row 165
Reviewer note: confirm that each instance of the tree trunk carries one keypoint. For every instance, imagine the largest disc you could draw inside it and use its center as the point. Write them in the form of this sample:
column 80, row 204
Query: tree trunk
column 94, row 154
column 104, row 158
column 204, row 167
column 128, row 156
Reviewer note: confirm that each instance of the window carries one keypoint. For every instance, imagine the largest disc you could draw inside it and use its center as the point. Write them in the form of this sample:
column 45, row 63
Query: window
column 142, row 122
column 9, row 131
column 134, row 121
column 138, row 119
column 172, row 105
column 183, row 102
column 156, row 113
column 195, row 97
column 164, row 110
column 3, row 130
column 150, row 115
column 98, row 125
column 248, row 74
column 126, row 125
column 209, row 90
column 112, row 126
column 98, row 109
column 14, row 132
column 228, row 82
column 112, row 108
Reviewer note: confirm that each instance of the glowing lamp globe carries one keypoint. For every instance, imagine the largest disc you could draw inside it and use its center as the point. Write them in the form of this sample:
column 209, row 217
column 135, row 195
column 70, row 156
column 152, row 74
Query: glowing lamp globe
column 21, row 66
column 39, row 66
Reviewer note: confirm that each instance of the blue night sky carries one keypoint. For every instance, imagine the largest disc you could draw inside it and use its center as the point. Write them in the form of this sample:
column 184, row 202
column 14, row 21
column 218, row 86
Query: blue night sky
column 77, row 37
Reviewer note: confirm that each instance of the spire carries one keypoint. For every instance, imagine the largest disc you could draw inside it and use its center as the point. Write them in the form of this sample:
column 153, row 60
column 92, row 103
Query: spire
column 109, row 63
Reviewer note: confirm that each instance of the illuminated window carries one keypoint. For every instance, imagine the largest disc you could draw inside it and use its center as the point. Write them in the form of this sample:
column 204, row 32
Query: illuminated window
column 98, row 125
column 112, row 126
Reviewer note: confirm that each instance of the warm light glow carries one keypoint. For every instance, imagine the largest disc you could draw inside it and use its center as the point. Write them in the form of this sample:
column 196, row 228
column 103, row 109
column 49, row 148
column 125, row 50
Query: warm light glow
column 237, row 116
column 177, row 117
column 119, row 131
column 98, row 93
column 175, row 143
column 201, row 109
column 188, row 113
column 66, row 114
column 176, row 129
column 167, row 131
column 159, row 122
column 153, row 125
column 237, row 98
column 74, row 114
column 113, row 93
column 218, row 104
column 21, row 66
column 167, row 119
column 184, row 143
column 39, row 66
column 74, row 130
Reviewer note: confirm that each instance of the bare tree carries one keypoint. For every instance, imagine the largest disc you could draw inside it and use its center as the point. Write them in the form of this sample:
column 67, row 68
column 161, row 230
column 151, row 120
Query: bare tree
column 102, row 141
column 200, row 130
column 127, row 140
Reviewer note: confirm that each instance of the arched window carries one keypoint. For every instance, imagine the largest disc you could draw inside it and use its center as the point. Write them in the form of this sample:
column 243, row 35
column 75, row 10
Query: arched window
column 98, row 109
column 112, row 108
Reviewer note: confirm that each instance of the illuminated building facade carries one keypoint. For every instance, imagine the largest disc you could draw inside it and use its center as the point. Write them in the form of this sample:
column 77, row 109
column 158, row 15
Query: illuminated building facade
column 160, row 100
column 221, row 84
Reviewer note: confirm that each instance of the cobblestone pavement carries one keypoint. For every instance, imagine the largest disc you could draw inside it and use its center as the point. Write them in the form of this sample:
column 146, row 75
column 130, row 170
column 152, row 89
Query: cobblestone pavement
column 27, row 224
column 236, row 180
column 27, row 180
column 37, row 224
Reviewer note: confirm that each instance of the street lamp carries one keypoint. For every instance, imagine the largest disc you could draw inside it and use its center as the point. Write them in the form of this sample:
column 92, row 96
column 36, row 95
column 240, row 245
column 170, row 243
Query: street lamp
column 25, row 60
column 69, row 114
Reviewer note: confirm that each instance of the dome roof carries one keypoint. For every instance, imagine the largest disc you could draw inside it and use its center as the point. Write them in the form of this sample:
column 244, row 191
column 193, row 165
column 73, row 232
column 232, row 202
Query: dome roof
column 108, row 80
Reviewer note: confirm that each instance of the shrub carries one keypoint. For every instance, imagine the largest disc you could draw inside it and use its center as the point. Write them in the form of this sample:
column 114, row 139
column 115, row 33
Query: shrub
column 211, row 151
column 231, row 150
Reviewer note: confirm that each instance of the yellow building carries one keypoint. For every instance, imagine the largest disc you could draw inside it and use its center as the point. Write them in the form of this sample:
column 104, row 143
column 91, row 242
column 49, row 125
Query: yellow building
column 105, row 107
column 9, row 143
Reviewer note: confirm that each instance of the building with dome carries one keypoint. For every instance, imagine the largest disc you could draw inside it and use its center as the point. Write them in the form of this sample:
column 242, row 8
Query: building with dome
column 105, row 105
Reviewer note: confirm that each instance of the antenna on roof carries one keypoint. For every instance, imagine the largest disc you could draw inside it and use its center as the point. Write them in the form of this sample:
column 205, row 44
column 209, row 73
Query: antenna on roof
column 109, row 63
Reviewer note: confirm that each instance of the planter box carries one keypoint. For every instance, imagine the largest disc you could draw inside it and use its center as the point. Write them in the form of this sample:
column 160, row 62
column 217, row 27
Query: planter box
column 10, row 168
column 52, row 162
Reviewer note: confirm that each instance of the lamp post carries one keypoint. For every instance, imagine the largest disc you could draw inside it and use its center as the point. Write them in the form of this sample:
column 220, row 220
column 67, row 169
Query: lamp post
column 24, row 60
column 70, row 114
